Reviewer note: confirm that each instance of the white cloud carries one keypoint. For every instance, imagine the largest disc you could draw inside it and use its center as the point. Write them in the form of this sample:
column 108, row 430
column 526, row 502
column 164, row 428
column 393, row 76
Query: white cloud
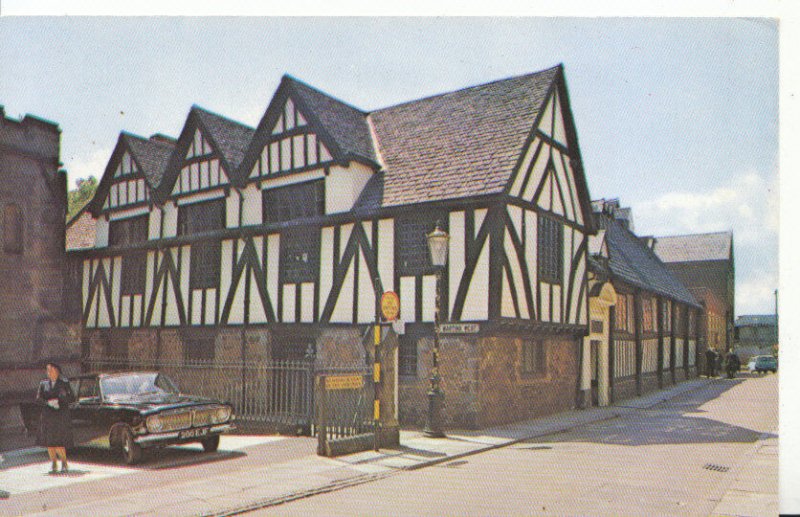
column 93, row 164
column 748, row 205
column 756, row 295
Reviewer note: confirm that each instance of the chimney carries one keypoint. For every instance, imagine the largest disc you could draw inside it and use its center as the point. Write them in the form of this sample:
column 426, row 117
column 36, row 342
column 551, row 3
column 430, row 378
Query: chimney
column 163, row 139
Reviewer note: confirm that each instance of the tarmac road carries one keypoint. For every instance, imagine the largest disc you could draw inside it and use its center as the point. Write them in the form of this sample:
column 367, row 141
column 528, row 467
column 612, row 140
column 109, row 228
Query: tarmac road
column 711, row 451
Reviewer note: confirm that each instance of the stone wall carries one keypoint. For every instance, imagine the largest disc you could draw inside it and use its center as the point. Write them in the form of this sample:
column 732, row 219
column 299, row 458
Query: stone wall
column 483, row 384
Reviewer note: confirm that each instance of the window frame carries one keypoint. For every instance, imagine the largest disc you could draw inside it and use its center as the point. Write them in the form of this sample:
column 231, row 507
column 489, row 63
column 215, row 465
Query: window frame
column 406, row 359
column 280, row 204
column 533, row 357
column 134, row 273
column 549, row 263
column 205, row 262
column 186, row 216
column 128, row 231
column 303, row 240
column 411, row 230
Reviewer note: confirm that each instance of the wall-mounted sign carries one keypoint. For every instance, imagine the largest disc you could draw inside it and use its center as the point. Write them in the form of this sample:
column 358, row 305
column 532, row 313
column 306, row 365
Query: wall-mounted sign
column 344, row 382
column 390, row 305
column 459, row 328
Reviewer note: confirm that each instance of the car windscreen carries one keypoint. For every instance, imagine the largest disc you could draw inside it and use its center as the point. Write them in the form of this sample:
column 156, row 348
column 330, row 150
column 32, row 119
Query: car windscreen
column 136, row 384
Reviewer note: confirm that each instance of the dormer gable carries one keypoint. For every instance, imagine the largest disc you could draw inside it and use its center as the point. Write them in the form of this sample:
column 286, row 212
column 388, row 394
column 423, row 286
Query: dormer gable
column 132, row 174
column 207, row 154
column 304, row 129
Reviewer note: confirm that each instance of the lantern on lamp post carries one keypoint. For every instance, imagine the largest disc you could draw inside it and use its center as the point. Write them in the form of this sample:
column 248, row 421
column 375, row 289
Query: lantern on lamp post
column 438, row 245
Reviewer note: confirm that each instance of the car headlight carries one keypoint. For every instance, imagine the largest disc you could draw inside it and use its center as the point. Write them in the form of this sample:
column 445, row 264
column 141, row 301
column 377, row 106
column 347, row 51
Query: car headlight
column 221, row 415
column 154, row 424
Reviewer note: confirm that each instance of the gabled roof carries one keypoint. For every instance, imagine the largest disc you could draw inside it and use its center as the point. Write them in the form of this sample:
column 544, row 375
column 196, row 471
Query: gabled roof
column 458, row 144
column 230, row 139
column 634, row 263
column 346, row 125
column 151, row 156
column 756, row 320
column 695, row 247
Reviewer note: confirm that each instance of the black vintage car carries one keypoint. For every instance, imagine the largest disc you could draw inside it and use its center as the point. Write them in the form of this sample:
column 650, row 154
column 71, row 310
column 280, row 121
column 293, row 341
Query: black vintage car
column 132, row 411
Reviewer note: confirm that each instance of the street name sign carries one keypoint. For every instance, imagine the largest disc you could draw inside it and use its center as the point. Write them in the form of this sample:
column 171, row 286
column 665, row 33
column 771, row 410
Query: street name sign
column 459, row 328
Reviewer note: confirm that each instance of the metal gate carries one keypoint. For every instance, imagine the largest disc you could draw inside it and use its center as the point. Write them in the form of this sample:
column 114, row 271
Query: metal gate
column 265, row 393
column 345, row 423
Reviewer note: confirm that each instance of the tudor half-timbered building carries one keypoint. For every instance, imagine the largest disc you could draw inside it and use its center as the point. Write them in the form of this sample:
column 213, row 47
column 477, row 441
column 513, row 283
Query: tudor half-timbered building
column 239, row 243
column 644, row 330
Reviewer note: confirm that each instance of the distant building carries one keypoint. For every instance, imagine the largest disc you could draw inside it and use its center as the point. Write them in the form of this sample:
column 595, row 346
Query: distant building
column 35, row 326
column 756, row 335
column 705, row 264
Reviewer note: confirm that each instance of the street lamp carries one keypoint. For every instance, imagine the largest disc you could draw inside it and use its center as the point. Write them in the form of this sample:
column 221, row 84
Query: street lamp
column 438, row 241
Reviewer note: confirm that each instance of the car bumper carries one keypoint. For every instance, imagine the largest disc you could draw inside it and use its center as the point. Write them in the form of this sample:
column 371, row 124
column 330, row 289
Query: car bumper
column 186, row 435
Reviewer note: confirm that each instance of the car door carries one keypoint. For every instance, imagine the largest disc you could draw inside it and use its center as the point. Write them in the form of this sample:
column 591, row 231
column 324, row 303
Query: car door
column 87, row 425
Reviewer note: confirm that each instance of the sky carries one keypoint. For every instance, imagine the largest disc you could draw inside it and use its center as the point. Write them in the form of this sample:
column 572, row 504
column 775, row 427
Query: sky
column 677, row 117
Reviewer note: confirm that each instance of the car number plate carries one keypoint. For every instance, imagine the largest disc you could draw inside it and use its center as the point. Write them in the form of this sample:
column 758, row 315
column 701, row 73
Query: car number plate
column 193, row 433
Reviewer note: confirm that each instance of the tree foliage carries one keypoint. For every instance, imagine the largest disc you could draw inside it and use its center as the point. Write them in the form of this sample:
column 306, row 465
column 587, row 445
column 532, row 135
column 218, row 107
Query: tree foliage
column 82, row 194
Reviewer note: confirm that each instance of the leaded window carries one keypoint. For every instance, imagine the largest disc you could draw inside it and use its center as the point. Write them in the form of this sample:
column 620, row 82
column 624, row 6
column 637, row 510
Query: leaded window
column 125, row 232
column 300, row 254
column 204, row 264
column 407, row 355
column 411, row 232
column 294, row 202
column 134, row 271
column 534, row 357
column 550, row 244
column 201, row 217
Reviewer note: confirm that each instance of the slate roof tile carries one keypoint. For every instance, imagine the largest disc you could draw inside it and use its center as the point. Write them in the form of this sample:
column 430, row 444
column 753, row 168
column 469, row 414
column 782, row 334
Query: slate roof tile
column 151, row 155
column 232, row 138
column 347, row 125
column 458, row 144
column 636, row 264
column 694, row 248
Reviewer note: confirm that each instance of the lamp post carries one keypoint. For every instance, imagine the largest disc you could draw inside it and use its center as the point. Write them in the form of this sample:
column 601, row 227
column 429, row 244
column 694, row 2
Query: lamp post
column 438, row 241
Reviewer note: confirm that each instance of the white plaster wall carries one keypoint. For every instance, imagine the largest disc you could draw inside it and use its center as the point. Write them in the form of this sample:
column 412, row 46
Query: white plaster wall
column 101, row 233
column 343, row 186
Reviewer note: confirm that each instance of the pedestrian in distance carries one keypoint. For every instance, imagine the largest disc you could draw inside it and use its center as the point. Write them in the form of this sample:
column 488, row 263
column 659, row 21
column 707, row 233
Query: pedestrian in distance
column 732, row 363
column 55, row 429
column 710, row 358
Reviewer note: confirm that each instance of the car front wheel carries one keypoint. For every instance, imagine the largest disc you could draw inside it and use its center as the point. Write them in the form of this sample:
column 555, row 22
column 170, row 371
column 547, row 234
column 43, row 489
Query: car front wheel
column 131, row 451
column 210, row 444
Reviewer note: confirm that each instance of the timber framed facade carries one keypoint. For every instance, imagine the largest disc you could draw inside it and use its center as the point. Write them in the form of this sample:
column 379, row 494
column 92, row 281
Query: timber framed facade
column 250, row 243
column 644, row 331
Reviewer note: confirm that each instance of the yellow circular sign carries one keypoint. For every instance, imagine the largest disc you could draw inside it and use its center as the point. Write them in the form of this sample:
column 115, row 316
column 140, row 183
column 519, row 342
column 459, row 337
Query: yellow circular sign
column 390, row 305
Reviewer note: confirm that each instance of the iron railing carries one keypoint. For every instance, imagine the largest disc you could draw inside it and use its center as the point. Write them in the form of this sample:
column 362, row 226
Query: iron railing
column 266, row 392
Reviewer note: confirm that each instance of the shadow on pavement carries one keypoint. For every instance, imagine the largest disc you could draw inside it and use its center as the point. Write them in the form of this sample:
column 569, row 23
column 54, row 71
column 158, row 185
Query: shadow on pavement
column 671, row 422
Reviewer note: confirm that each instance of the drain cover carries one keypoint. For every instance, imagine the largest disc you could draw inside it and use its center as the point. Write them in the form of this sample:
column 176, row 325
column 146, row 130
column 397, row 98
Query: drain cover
column 537, row 448
column 716, row 468
column 454, row 464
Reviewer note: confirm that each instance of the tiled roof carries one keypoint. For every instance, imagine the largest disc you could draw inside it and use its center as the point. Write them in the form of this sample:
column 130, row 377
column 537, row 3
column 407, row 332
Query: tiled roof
column 231, row 138
column 636, row 264
column 151, row 155
column 694, row 248
column 81, row 231
column 346, row 125
column 459, row 144
column 750, row 320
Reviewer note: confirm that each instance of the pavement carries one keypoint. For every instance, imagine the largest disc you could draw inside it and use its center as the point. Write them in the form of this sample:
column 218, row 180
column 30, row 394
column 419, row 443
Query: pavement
column 253, row 473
